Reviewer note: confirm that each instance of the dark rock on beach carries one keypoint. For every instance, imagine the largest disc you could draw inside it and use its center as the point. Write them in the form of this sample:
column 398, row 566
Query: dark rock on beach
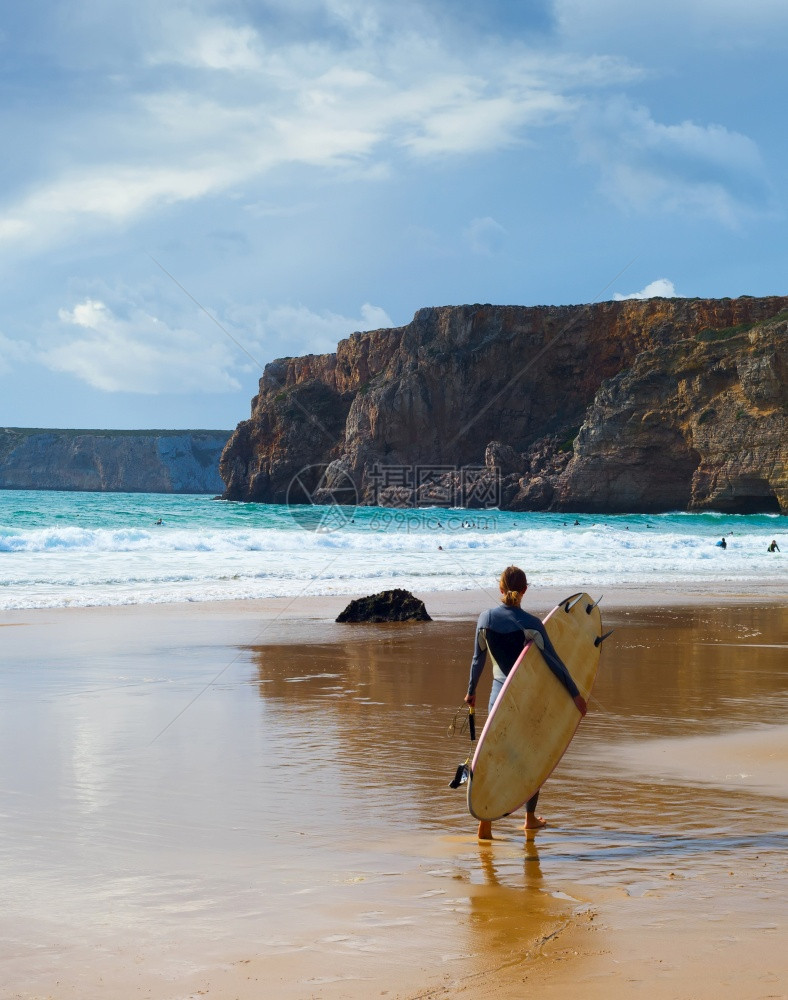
column 387, row 606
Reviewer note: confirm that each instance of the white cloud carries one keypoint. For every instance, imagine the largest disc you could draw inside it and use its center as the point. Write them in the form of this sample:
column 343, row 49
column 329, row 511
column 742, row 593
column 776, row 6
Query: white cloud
column 112, row 195
column 127, row 349
column 13, row 351
column 12, row 229
column 205, row 43
column 288, row 331
column 482, row 123
column 214, row 107
column 484, row 236
column 661, row 288
column 178, row 132
column 137, row 353
column 374, row 318
column 707, row 170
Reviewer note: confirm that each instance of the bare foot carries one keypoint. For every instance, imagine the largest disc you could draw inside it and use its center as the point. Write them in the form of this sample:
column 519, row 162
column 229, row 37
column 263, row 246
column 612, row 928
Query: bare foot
column 485, row 830
column 534, row 822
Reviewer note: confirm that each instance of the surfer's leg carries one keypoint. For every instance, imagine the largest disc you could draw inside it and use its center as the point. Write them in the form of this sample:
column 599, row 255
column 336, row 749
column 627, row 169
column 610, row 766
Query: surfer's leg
column 532, row 821
column 485, row 826
column 494, row 692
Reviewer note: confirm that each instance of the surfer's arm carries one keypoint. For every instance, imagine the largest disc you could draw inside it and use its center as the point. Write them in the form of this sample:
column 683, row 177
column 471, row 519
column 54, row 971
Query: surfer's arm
column 477, row 665
column 542, row 640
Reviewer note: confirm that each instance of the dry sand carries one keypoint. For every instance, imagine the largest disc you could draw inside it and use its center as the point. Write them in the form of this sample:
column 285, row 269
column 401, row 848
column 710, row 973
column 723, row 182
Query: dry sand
column 245, row 800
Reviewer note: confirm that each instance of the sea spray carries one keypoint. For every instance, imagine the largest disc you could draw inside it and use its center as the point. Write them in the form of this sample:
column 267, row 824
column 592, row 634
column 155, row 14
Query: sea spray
column 61, row 549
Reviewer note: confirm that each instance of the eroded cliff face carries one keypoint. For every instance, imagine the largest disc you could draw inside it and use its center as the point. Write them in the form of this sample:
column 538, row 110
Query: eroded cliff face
column 649, row 405
column 113, row 461
column 698, row 425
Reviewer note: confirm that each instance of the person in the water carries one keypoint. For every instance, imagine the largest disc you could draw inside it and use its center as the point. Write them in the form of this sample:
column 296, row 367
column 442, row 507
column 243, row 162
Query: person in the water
column 774, row 547
column 505, row 630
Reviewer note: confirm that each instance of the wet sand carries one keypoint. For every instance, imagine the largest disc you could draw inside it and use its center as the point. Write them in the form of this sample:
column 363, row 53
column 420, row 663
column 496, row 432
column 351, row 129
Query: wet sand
column 248, row 799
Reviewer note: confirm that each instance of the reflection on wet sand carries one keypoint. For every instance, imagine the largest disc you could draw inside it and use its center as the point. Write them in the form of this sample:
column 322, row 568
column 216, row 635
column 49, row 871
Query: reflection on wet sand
column 381, row 700
column 618, row 823
column 376, row 706
column 513, row 912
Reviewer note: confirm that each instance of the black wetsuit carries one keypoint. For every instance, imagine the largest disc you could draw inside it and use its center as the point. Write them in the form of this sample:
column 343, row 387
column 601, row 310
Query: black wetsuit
column 505, row 631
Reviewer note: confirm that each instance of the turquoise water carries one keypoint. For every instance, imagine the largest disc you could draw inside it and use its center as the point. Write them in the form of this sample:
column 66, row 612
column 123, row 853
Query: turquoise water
column 106, row 548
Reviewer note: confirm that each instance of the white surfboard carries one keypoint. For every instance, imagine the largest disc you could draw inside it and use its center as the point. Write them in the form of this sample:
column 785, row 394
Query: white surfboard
column 534, row 718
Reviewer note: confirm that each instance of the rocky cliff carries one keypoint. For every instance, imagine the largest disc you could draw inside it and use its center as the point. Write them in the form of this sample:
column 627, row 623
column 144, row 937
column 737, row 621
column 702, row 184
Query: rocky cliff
column 651, row 405
column 115, row 461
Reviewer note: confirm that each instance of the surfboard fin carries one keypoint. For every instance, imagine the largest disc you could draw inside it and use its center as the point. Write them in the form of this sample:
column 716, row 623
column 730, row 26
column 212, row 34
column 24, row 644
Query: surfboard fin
column 601, row 638
column 572, row 602
column 590, row 607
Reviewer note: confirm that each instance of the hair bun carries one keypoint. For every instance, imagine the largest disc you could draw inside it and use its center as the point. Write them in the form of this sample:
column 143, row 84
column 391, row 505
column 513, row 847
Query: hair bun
column 513, row 582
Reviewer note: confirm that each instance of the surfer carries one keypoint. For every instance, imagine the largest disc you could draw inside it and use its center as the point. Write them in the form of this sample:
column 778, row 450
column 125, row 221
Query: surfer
column 774, row 547
column 722, row 544
column 505, row 630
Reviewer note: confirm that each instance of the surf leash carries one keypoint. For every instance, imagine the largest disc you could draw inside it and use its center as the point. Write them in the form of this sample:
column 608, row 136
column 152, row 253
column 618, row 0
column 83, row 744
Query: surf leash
column 461, row 722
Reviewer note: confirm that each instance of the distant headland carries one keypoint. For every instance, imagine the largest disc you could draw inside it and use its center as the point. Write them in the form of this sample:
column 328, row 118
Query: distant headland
column 144, row 461
column 629, row 406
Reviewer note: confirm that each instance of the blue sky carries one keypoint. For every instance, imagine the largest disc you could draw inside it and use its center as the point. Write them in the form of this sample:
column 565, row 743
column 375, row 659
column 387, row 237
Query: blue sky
column 307, row 168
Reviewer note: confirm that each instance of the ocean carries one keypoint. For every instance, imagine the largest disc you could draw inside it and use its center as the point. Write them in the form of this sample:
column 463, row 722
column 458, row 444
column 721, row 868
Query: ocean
column 88, row 549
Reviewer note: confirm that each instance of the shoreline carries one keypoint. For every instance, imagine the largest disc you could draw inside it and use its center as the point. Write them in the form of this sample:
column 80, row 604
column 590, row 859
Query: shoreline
column 442, row 605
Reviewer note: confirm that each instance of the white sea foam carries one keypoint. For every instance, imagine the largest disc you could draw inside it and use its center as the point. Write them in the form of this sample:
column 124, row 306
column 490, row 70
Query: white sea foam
column 102, row 549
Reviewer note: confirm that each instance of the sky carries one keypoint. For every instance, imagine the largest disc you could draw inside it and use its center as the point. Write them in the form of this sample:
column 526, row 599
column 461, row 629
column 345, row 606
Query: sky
column 193, row 189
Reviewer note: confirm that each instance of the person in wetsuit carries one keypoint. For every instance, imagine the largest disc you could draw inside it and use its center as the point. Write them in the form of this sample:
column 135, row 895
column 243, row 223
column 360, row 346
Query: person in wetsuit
column 505, row 630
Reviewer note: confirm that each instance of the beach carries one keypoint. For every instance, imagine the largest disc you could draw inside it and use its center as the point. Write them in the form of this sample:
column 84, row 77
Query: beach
column 243, row 798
